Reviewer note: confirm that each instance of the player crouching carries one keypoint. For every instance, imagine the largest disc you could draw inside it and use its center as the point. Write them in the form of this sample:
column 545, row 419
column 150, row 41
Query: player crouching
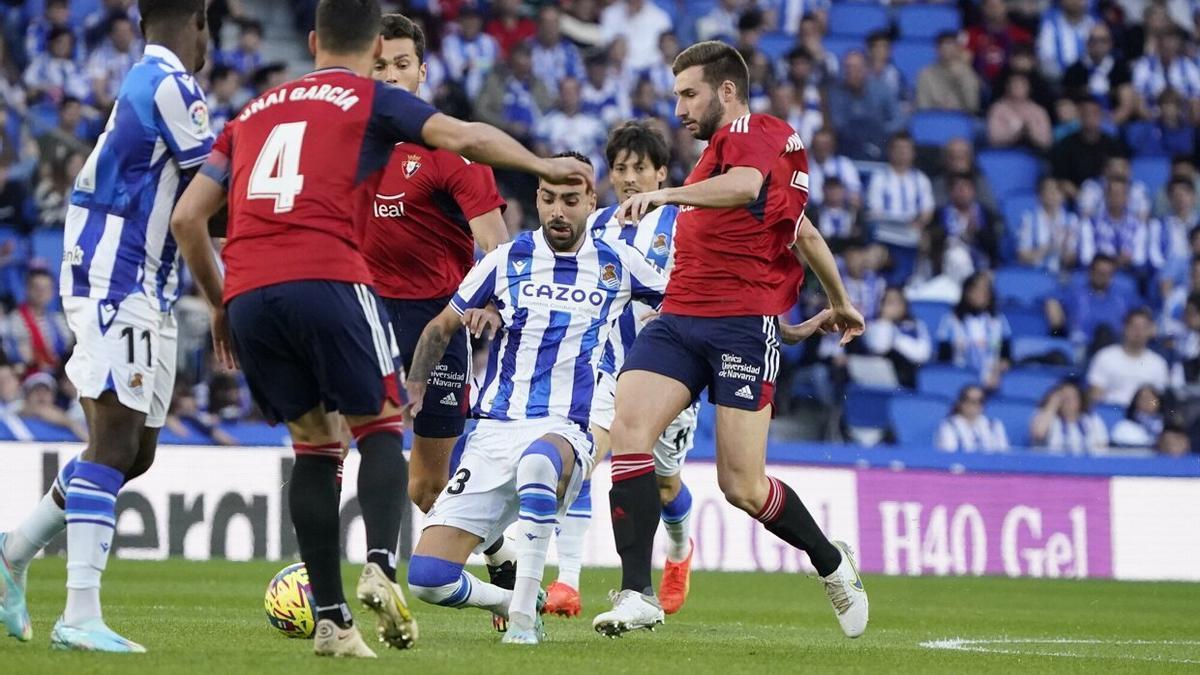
column 558, row 291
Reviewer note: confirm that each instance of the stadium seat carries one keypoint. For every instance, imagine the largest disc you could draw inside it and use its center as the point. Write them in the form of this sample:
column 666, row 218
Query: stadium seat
column 776, row 44
column 915, row 418
column 1015, row 207
column 48, row 249
column 927, row 21
column 1153, row 171
column 1142, row 138
column 1122, row 283
column 48, row 433
column 1024, row 286
column 938, row 127
column 6, row 433
column 857, row 19
column 840, row 46
column 1111, row 414
column 867, row 408
column 930, row 313
column 911, row 56
column 1026, row 321
column 1009, row 171
column 168, row 437
column 944, row 381
column 1015, row 415
column 1027, row 384
column 257, row 433
column 1031, row 346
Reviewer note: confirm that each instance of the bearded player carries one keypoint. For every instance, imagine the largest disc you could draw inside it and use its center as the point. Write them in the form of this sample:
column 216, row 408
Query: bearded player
column 739, row 242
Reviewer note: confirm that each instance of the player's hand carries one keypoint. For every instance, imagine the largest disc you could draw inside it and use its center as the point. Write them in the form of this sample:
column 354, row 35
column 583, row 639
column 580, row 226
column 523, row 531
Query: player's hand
column 416, row 399
column 632, row 209
column 794, row 333
column 846, row 320
column 482, row 322
column 222, row 339
column 568, row 171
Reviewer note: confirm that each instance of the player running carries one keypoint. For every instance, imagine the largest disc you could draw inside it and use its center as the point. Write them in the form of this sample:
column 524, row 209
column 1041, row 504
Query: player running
column 431, row 208
column 119, row 283
column 299, row 165
column 735, row 270
column 637, row 158
column 558, row 292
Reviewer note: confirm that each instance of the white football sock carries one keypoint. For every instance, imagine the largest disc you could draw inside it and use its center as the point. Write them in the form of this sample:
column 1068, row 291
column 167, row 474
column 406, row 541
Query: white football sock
column 538, row 473
column 91, row 521
column 571, row 535
column 505, row 553
column 41, row 526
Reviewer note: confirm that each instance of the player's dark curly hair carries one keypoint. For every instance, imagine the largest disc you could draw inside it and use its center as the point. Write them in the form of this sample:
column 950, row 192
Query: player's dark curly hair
column 638, row 139
column 577, row 155
column 398, row 27
column 170, row 11
column 720, row 63
column 348, row 26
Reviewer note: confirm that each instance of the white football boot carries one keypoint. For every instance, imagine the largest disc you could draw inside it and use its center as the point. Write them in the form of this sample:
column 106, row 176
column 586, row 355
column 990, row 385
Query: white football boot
column 846, row 593
column 331, row 640
column 396, row 625
column 631, row 611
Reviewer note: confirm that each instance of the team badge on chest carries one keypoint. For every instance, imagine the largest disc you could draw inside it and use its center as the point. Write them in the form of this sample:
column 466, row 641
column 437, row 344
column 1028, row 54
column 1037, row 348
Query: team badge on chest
column 660, row 244
column 608, row 276
column 411, row 165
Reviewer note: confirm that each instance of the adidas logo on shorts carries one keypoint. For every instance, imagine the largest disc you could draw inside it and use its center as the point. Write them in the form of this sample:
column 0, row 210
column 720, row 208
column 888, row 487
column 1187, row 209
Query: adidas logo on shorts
column 449, row 399
column 744, row 392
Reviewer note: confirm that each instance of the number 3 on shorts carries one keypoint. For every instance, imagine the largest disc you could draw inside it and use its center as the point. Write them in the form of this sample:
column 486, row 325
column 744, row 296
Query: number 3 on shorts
column 458, row 482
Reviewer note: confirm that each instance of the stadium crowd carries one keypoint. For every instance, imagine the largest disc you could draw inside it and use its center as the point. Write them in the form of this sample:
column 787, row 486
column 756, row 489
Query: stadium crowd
column 1011, row 189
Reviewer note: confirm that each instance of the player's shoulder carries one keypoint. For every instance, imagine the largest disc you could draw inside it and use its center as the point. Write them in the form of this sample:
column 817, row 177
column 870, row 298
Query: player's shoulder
column 663, row 215
column 601, row 218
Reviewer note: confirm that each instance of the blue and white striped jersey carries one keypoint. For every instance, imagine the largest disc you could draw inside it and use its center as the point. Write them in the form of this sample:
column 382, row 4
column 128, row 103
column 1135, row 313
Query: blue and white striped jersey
column 118, row 241
column 654, row 238
column 557, row 310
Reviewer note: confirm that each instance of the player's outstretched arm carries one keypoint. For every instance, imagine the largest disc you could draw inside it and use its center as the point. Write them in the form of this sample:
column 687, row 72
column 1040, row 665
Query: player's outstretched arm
column 738, row 186
column 430, row 349
column 486, row 144
column 489, row 230
column 811, row 248
column 189, row 223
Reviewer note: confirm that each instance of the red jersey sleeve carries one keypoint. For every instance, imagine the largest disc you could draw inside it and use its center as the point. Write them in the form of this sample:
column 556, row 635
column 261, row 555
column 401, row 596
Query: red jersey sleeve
column 218, row 165
column 473, row 186
column 753, row 141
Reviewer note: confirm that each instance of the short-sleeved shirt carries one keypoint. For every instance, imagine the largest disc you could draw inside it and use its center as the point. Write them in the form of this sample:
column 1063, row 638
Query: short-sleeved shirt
column 1119, row 375
column 417, row 239
column 738, row 261
column 300, row 163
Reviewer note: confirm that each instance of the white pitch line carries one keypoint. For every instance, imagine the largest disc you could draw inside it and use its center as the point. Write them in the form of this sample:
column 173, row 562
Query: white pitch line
column 984, row 646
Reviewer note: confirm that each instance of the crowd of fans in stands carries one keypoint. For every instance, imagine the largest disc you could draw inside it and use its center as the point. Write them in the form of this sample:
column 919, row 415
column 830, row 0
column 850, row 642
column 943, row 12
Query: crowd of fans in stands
column 1081, row 87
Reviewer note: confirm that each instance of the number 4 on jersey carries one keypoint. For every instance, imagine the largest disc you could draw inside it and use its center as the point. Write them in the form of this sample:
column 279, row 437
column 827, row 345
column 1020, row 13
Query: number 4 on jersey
column 276, row 173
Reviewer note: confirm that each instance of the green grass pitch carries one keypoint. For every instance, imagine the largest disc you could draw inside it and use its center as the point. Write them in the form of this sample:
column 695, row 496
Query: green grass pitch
column 207, row 617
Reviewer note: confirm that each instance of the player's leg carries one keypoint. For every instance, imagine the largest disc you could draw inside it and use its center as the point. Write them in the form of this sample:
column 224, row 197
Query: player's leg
column 436, row 572
column 669, row 453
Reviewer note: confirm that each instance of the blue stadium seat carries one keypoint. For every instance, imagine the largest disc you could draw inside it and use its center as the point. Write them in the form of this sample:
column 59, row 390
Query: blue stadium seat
column 911, row 56
column 857, row 19
column 944, row 381
column 48, row 433
column 1029, row 346
column 1016, row 205
column 168, row 437
column 1024, row 286
column 1111, row 414
column 48, row 248
column 866, row 407
column 1015, row 415
column 915, row 418
column 256, row 433
column 938, row 127
column 1026, row 321
column 1123, row 283
column 1009, row 171
column 840, row 46
column 1142, row 139
column 927, row 21
column 776, row 44
column 930, row 312
column 1027, row 384
column 6, row 434
column 1153, row 171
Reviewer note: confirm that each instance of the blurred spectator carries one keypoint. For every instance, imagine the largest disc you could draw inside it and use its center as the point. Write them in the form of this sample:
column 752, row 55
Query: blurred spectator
column 1118, row 371
column 110, row 61
column 554, row 56
column 1166, row 239
column 950, row 83
column 898, row 336
column 247, row 57
column 1171, row 68
column 470, row 54
column 569, row 128
column 864, row 285
column 1170, row 134
column 1185, row 366
column 964, row 223
column 40, row 34
column 640, row 22
column 1144, row 39
column 13, row 199
column 836, row 217
column 268, row 76
column 1049, row 234
column 646, row 103
column 1103, row 74
column 1174, row 442
column 862, row 112
column 96, row 26
column 825, row 163
column 1081, row 155
column 825, row 62
column 12, row 91
column 509, row 26
column 991, row 41
column 976, row 336
column 762, row 84
column 660, row 74
column 40, row 391
column 55, row 74
column 967, row 429
column 224, row 97
column 900, row 193
column 512, row 98
column 186, row 420
column 1015, row 119
column 1061, row 38
column 958, row 157
column 880, row 67
column 1116, row 231
column 226, row 395
column 1024, row 61
column 10, row 402
column 581, row 22
column 56, row 144
column 1143, row 422
column 602, row 94
column 38, row 330
column 721, row 21
column 1064, row 423
column 53, row 189
column 1092, row 192
column 1088, row 312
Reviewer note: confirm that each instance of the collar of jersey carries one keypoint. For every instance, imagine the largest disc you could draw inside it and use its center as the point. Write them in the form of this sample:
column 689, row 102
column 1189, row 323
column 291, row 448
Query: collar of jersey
column 163, row 54
column 330, row 69
column 539, row 241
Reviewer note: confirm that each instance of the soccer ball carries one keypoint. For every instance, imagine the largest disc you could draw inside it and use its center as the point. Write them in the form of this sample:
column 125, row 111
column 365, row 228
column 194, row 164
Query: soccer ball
column 289, row 602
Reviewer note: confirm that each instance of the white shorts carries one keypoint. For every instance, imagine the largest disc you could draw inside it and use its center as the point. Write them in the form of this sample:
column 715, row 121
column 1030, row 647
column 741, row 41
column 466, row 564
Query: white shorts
column 481, row 497
column 672, row 447
column 127, row 347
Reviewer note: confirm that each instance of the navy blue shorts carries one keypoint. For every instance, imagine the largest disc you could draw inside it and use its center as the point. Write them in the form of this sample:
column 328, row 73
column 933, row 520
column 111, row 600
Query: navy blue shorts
column 447, row 395
column 735, row 357
column 306, row 343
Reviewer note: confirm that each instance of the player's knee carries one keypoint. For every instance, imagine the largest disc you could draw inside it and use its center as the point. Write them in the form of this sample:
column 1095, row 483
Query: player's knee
column 668, row 489
column 437, row 581
column 743, row 491
column 145, row 458
column 424, row 493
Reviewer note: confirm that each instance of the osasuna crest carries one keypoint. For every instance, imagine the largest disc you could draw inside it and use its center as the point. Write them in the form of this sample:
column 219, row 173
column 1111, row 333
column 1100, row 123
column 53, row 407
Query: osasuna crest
column 608, row 276
column 411, row 165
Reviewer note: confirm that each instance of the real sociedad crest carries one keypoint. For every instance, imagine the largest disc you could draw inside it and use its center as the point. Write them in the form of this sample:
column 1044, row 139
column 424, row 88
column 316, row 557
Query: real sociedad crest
column 411, row 165
column 660, row 244
column 608, row 276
